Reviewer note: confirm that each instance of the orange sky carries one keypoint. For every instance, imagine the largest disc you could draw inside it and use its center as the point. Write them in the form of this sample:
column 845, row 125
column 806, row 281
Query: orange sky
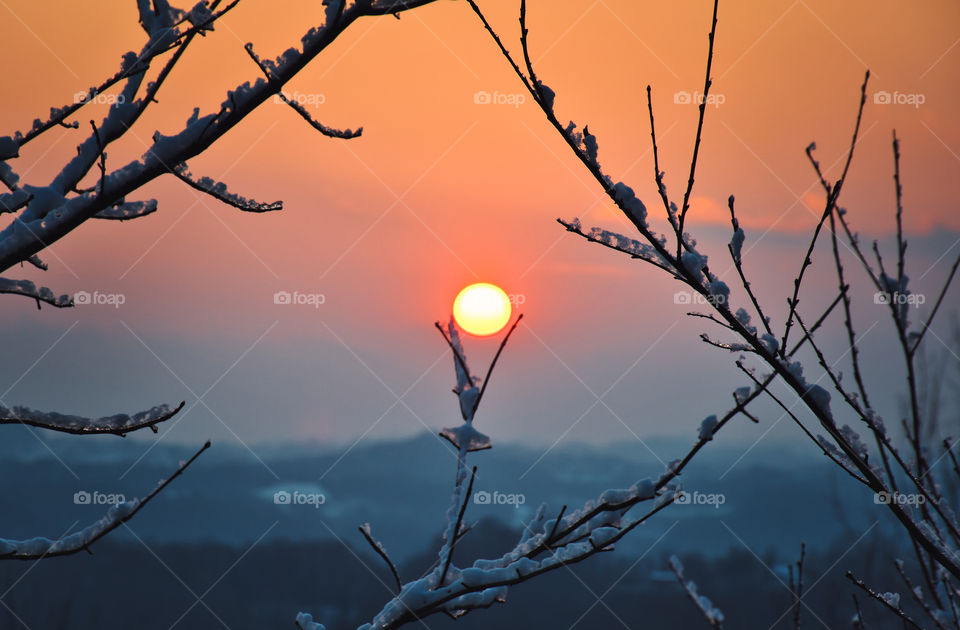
column 441, row 191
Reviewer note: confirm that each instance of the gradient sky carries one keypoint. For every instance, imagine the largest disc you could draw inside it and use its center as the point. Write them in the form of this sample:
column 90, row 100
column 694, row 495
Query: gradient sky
column 440, row 192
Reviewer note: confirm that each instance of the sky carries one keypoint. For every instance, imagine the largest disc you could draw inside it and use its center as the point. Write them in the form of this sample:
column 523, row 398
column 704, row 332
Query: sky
column 443, row 189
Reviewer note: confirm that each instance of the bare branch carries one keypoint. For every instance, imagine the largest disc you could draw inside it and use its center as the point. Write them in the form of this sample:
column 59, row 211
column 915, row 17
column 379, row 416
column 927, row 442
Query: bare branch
column 378, row 548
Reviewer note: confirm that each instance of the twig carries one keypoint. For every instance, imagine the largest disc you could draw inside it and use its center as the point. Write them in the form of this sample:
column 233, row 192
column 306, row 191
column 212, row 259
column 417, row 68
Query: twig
column 894, row 609
column 456, row 528
column 486, row 379
column 378, row 547
column 707, row 82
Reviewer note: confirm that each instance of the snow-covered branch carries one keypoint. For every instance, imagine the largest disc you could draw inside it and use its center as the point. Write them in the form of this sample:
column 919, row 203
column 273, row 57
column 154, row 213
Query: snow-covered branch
column 218, row 190
column 546, row 544
column 712, row 614
column 128, row 210
column 117, row 515
column 119, row 424
column 932, row 526
column 31, row 290
column 50, row 212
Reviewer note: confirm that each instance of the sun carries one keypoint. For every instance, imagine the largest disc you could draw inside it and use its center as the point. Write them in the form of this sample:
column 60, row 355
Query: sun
column 482, row 309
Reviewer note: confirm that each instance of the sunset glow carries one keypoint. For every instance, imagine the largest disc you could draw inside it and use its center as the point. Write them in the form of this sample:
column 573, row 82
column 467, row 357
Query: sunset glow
column 482, row 309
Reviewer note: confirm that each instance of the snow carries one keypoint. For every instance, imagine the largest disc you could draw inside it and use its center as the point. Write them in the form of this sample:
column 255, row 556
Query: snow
column 165, row 149
column 707, row 427
column 547, row 95
column 129, row 210
column 820, row 397
column 795, row 368
column 590, row 144
column 29, row 289
column 770, row 343
column 853, row 439
column 41, row 546
column 199, row 15
column 573, row 134
column 219, row 191
column 465, row 436
column 693, row 262
column 713, row 614
column 628, row 202
column 719, row 290
column 736, row 243
column 741, row 394
column 306, row 622
column 9, row 148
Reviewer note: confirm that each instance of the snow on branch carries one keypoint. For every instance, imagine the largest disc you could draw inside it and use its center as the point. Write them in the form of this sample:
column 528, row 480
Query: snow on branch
column 37, row 262
column 710, row 613
column 330, row 132
column 40, row 294
column 128, row 210
column 618, row 242
column 119, row 424
column 41, row 547
column 546, row 544
column 933, row 529
column 13, row 201
column 218, row 190
column 55, row 209
column 268, row 68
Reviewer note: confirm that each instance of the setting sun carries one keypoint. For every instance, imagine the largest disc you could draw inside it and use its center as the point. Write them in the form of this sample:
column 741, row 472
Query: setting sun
column 482, row 309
